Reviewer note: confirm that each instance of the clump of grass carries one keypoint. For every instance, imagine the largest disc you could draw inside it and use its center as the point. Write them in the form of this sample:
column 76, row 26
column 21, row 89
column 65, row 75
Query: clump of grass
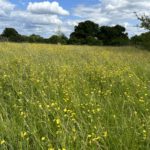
column 74, row 97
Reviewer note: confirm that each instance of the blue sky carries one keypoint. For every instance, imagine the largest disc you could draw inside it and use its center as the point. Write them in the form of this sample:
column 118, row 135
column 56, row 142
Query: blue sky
column 47, row 16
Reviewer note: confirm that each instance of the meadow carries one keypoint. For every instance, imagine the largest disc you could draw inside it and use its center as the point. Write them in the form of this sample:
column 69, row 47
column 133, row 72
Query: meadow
column 55, row 97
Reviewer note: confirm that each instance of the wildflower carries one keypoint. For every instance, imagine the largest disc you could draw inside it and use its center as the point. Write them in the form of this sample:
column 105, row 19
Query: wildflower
column 50, row 148
column 47, row 106
column 130, row 76
column 144, row 131
column 20, row 93
column 2, row 142
column 114, row 116
column 53, row 104
column 43, row 138
column 57, row 121
column 73, row 119
column 74, row 137
column 141, row 100
column 135, row 112
column 99, row 91
column 96, row 139
column 74, row 130
column 40, row 106
column 58, row 108
column 23, row 134
column 65, row 110
column 22, row 113
column 144, row 134
column 4, row 75
column 37, row 81
column 89, row 136
column 105, row 134
column 98, row 109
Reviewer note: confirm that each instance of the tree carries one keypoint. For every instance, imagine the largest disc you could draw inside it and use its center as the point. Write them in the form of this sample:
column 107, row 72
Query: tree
column 142, row 40
column 35, row 38
column 9, row 32
column 12, row 35
column 145, row 21
column 83, row 31
column 56, row 39
column 113, row 35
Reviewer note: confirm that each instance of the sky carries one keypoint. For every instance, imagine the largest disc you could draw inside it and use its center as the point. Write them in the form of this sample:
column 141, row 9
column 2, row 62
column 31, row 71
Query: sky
column 47, row 17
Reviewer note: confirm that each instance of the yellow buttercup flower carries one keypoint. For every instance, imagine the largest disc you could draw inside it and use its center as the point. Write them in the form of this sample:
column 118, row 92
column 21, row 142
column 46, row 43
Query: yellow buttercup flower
column 43, row 138
column 58, row 121
column 23, row 134
column 2, row 142
column 105, row 134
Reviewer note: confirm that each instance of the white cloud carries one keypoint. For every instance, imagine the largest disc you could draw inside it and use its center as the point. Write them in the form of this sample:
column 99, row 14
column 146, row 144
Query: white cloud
column 46, row 7
column 5, row 7
column 34, row 18
column 72, row 22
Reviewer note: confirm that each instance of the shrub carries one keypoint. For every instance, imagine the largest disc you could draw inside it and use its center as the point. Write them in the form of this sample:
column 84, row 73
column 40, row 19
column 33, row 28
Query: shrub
column 142, row 40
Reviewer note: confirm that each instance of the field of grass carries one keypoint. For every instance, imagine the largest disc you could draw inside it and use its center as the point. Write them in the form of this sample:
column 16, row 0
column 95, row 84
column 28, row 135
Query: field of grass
column 74, row 98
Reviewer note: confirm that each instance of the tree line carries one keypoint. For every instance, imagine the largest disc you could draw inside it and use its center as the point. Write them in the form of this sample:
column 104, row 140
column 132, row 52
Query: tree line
column 87, row 33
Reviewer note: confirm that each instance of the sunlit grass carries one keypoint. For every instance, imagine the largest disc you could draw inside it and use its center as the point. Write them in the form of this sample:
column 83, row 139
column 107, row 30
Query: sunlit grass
column 74, row 97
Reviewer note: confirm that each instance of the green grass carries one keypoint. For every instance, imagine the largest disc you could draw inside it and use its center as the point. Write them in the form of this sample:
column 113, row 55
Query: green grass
column 74, row 98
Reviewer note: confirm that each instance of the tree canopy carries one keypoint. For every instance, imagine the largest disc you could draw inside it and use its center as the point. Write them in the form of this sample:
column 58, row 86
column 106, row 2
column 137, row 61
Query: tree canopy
column 84, row 32
column 12, row 35
column 91, row 33
column 58, row 39
column 113, row 35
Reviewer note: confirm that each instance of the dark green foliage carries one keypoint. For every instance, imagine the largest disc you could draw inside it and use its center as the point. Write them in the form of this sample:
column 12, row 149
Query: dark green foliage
column 84, row 31
column 91, row 34
column 58, row 39
column 93, row 41
column 142, row 40
column 74, row 40
column 35, row 38
column 12, row 35
column 136, row 40
column 113, row 35
column 8, row 32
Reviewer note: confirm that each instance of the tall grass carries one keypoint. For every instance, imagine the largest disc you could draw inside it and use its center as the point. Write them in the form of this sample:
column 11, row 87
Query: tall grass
column 74, row 98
